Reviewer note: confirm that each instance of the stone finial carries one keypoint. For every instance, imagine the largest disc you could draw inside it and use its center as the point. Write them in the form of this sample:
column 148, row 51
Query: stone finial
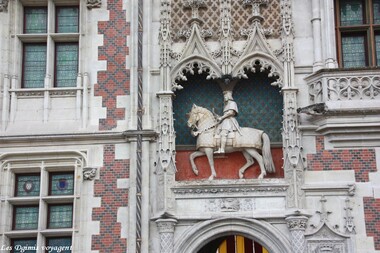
column 89, row 173
column 349, row 226
column 4, row 5
column 195, row 5
column 93, row 4
column 256, row 13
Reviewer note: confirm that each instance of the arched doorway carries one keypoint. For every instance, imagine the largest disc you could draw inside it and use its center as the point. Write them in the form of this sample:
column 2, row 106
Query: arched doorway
column 233, row 244
column 214, row 232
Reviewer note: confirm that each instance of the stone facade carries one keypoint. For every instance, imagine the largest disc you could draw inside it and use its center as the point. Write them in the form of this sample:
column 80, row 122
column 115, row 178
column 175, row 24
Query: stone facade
column 114, row 130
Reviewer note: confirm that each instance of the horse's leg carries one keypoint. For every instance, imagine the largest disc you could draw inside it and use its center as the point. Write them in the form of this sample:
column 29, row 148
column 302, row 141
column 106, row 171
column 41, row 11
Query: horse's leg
column 192, row 157
column 259, row 159
column 250, row 161
column 210, row 156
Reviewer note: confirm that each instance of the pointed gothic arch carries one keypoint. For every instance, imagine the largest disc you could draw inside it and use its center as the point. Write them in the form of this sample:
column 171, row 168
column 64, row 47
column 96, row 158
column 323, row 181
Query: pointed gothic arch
column 261, row 60
column 193, row 63
column 204, row 232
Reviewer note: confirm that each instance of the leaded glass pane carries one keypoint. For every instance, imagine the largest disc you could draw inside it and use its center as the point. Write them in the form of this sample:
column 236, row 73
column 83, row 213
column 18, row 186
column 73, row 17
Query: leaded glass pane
column 25, row 245
column 34, row 65
column 377, row 49
column 353, row 49
column 66, row 65
column 351, row 12
column 59, row 245
column 62, row 184
column 376, row 11
column 61, row 216
column 67, row 20
column 26, row 217
column 35, row 20
column 27, row 185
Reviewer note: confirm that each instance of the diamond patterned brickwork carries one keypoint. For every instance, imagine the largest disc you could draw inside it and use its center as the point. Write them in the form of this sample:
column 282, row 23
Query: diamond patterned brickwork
column 241, row 15
column 272, row 17
column 180, row 16
column 362, row 161
column 372, row 219
column 114, row 81
column 111, row 199
column 211, row 17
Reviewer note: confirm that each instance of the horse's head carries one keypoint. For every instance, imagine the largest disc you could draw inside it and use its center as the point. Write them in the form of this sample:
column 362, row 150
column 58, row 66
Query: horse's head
column 193, row 116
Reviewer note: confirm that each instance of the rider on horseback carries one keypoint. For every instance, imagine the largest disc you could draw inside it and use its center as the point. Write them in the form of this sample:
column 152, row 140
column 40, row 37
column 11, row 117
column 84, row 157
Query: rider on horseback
column 227, row 123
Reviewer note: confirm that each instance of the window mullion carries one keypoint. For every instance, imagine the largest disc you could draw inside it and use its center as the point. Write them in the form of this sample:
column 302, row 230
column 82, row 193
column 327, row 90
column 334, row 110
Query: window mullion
column 50, row 46
column 371, row 36
column 338, row 33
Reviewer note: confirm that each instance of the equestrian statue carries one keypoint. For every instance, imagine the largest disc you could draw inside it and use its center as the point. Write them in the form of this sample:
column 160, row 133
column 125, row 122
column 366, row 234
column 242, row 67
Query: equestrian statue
column 222, row 134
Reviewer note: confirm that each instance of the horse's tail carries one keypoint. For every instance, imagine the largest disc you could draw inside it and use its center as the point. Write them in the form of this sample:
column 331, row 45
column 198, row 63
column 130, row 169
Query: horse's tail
column 267, row 155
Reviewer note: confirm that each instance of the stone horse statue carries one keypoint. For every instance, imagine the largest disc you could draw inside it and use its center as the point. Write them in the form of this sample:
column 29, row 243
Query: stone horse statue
column 249, row 141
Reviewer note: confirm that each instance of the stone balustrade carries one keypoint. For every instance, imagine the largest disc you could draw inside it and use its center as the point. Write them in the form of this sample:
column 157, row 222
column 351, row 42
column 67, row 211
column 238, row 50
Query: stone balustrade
column 344, row 85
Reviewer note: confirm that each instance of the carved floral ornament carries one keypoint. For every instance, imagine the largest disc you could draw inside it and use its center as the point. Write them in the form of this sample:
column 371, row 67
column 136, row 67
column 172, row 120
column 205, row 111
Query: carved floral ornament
column 89, row 173
column 93, row 4
column 3, row 5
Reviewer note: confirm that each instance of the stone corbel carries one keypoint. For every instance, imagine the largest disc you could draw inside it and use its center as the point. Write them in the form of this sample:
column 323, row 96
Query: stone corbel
column 93, row 4
column 89, row 173
column 4, row 5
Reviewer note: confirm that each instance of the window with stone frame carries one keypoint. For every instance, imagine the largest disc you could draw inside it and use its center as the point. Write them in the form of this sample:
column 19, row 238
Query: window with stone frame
column 358, row 32
column 42, row 205
column 50, row 41
column 64, row 244
column 24, row 245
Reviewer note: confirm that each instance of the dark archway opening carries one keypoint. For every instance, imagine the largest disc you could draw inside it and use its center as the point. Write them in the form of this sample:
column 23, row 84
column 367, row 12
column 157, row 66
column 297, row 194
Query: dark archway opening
column 233, row 244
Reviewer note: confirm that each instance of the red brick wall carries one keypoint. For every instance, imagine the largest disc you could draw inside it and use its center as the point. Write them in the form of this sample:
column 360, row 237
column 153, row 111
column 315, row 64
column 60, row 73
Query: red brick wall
column 362, row 161
column 109, row 239
column 372, row 219
column 226, row 167
column 115, row 80
column 111, row 83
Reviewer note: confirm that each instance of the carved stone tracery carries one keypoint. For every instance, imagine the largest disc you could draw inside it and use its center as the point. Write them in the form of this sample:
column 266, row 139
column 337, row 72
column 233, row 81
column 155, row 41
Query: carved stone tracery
column 325, row 238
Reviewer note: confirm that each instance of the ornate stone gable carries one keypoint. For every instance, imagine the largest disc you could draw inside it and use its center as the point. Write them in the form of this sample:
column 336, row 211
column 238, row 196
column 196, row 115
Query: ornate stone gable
column 225, row 58
column 325, row 239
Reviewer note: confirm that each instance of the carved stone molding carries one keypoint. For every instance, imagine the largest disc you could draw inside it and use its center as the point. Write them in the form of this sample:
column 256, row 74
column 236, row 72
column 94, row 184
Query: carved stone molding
column 89, row 173
column 349, row 218
column 229, row 205
column 260, row 188
column 93, row 4
column 4, row 5
column 325, row 239
column 297, row 222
